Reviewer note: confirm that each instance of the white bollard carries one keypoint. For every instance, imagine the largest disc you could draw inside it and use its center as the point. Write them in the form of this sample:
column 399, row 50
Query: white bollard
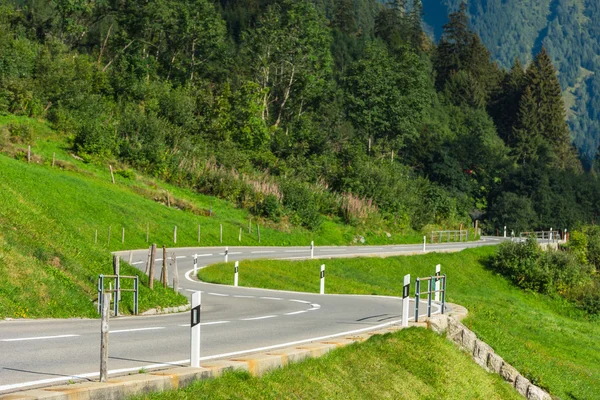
column 235, row 275
column 505, row 231
column 195, row 264
column 405, row 300
column 551, row 237
column 195, row 330
column 312, row 250
column 438, row 269
column 322, row 291
column 226, row 254
column 424, row 244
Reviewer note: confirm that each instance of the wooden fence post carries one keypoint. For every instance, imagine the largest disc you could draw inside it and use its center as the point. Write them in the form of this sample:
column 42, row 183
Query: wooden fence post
column 163, row 275
column 151, row 272
column 104, row 329
column 175, row 275
column 112, row 176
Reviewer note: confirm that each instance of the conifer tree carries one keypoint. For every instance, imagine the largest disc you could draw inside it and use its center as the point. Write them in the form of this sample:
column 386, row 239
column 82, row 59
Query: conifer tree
column 414, row 21
column 504, row 107
column 526, row 137
column 343, row 16
column 550, row 109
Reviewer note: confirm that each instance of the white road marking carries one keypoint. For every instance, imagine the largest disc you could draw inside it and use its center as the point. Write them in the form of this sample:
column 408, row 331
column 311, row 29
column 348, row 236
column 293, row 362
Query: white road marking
column 219, row 294
column 37, row 338
column 94, row 375
column 203, row 255
column 154, row 328
column 317, row 306
column 244, row 297
column 257, row 318
column 301, row 301
column 179, row 257
column 158, row 259
column 193, row 291
column 262, row 252
column 208, row 323
column 231, row 253
column 271, row 298
column 295, row 312
column 332, row 249
column 295, row 251
column 137, row 262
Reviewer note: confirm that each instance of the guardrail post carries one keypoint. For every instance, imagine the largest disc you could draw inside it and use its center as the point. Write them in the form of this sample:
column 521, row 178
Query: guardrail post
column 424, row 244
column 405, row 299
column 136, row 293
column 322, row 290
column 116, row 302
column 429, row 296
column 417, row 298
column 195, row 330
column 235, row 274
column 443, row 293
column 104, row 329
column 504, row 230
column 437, row 282
column 312, row 249
column 100, row 293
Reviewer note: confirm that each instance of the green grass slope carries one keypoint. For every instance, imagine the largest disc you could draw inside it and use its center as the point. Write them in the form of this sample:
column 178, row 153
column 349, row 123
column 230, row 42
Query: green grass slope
column 59, row 225
column 547, row 339
column 410, row 364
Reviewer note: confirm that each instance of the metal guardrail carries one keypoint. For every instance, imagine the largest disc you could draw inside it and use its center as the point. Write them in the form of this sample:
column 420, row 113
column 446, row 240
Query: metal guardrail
column 431, row 280
column 551, row 236
column 117, row 289
column 449, row 236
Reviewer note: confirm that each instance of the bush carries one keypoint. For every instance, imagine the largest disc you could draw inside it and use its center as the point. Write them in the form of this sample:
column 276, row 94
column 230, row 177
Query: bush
column 542, row 271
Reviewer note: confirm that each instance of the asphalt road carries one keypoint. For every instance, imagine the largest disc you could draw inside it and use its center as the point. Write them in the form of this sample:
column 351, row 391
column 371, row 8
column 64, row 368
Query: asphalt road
column 235, row 321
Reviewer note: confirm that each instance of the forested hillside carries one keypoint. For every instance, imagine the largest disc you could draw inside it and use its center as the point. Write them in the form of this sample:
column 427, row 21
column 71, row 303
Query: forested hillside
column 570, row 32
column 300, row 110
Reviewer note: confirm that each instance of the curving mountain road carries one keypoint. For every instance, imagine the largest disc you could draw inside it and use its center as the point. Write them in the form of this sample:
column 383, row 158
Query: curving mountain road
column 235, row 321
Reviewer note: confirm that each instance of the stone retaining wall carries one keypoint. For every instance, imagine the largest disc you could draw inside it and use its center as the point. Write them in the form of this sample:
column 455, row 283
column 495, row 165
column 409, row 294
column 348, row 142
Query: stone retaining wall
column 483, row 354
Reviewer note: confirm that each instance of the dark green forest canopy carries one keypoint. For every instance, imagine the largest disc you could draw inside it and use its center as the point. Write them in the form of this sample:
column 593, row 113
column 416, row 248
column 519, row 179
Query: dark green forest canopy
column 300, row 110
column 570, row 32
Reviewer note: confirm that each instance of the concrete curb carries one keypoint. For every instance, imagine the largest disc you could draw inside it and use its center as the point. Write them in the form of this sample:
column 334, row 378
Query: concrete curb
column 132, row 385
column 260, row 363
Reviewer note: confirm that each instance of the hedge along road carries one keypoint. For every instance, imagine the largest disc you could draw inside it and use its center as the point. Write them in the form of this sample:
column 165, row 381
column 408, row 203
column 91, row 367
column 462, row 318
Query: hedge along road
column 235, row 320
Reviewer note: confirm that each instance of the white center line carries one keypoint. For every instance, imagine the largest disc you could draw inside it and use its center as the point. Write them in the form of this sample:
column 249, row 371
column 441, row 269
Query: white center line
column 262, row 252
column 202, row 255
column 244, row 297
column 179, row 257
column 332, row 250
column 295, row 312
column 137, row 262
column 37, row 338
column 257, row 318
column 154, row 328
column 271, row 298
column 219, row 294
column 295, row 251
column 301, row 301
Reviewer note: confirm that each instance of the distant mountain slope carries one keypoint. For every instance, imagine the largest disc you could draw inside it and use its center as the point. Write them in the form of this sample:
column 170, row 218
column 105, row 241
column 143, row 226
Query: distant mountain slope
column 570, row 31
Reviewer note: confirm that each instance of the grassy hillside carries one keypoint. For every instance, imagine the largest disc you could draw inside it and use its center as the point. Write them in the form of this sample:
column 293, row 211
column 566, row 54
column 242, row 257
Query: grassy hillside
column 54, row 240
column 547, row 339
column 385, row 367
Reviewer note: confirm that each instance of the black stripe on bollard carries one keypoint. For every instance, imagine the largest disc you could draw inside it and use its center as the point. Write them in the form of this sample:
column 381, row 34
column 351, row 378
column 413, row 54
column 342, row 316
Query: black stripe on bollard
column 405, row 291
column 195, row 316
column 322, row 274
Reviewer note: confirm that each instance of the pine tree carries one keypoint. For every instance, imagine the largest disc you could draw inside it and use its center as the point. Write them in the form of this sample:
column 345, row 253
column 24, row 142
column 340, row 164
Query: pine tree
column 526, row 137
column 414, row 22
column 343, row 16
column 460, row 49
column 550, row 108
column 504, row 107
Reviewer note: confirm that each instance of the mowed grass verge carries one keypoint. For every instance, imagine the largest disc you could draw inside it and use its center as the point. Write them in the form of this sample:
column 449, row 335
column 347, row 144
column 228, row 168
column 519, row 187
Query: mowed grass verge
column 410, row 364
column 547, row 339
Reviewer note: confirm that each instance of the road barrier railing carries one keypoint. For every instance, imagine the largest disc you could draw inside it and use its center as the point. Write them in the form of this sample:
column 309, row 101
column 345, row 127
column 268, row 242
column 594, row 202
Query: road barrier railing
column 431, row 291
column 551, row 236
column 117, row 291
column 449, row 236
